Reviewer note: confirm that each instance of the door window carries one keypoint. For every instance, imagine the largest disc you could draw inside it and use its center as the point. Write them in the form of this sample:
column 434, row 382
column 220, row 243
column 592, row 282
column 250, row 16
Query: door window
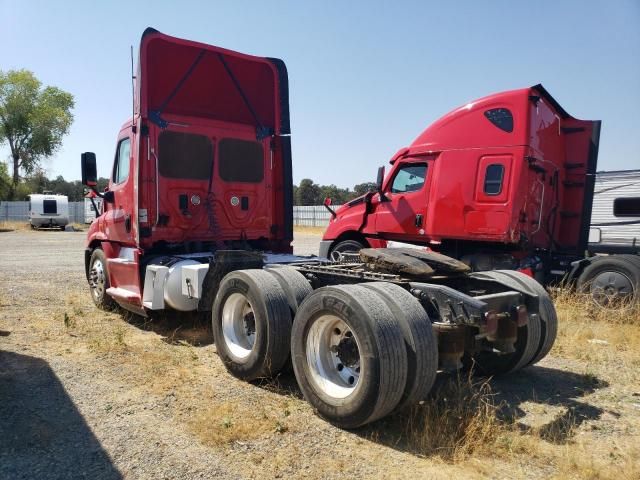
column 409, row 178
column 121, row 166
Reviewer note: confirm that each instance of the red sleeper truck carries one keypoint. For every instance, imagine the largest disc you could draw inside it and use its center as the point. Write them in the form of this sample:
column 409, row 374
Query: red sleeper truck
column 505, row 181
column 197, row 217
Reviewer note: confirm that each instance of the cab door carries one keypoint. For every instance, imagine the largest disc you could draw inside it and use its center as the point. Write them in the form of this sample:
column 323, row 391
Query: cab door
column 401, row 214
column 119, row 214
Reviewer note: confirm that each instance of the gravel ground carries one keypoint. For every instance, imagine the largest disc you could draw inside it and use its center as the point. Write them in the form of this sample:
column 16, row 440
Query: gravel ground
column 84, row 394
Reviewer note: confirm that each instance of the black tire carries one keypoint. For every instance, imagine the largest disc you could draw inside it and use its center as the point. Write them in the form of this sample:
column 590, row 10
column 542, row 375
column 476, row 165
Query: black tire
column 611, row 281
column 345, row 246
column 419, row 340
column 546, row 310
column 632, row 259
column 251, row 324
column 61, row 228
column 530, row 336
column 99, row 281
column 296, row 287
column 362, row 384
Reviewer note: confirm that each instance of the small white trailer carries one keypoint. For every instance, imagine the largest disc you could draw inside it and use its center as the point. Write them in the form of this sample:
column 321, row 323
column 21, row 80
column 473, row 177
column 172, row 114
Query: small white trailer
column 48, row 210
column 615, row 216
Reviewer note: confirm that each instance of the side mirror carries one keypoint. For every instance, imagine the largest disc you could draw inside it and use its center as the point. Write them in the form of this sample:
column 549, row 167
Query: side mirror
column 380, row 179
column 89, row 169
column 327, row 205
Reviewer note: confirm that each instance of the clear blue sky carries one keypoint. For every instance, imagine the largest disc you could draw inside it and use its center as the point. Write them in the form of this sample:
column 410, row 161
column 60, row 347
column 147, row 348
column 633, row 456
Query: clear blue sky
column 365, row 77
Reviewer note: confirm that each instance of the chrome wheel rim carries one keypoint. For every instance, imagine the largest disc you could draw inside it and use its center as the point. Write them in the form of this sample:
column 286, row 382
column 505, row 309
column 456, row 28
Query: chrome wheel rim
column 238, row 326
column 612, row 289
column 97, row 279
column 333, row 356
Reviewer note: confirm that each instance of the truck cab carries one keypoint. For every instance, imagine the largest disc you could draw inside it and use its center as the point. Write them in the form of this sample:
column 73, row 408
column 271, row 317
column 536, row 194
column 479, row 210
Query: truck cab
column 510, row 175
column 204, row 163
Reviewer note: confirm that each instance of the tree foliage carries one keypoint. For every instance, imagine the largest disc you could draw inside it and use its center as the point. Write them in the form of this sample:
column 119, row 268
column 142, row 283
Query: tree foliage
column 362, row 188
column 38, row 182
column 307, row 193
column 33, row 120
column 5, row 181
column 310, row 193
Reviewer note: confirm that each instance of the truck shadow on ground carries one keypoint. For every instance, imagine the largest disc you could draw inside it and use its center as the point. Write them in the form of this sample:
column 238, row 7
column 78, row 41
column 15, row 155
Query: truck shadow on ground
column 42, row 433
column 176, row 328
column 559, row 391
column 562, row 392
column 553, row 388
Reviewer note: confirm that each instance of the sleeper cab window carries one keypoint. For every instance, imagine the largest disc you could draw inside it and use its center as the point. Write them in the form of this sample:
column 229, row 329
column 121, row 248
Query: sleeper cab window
column 501, row 118
column 121, row 167
column 493, row 179
column 409, row 178
column 626, row 207
column 240, row 161
column 185, row 155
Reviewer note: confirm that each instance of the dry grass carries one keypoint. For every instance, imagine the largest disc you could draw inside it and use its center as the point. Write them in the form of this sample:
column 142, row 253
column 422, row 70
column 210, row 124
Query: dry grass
column 607, row 340
column 575, row 306
column 578, row 461
column 25, row 226
column 309, row 230
column 461, row 425
column 79, row 227
column 10, row 226
column 229, row 422
column 458, row 420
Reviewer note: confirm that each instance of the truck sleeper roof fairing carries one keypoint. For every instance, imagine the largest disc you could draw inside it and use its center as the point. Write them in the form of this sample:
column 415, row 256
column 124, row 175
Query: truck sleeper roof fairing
column 182, row 77
column 461, row 129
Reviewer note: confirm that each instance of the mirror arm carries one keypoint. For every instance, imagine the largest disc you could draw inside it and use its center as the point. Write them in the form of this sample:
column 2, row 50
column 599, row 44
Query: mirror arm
column 95, row 207
column 95, row 190
column 331, row 211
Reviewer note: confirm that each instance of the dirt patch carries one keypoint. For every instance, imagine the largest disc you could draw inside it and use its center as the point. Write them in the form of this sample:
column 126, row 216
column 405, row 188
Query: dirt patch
column 142, row 399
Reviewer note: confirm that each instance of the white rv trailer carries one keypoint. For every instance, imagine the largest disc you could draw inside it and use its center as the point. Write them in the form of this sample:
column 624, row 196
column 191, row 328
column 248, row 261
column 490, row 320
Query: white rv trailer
column 48, row 210
column 615, row 215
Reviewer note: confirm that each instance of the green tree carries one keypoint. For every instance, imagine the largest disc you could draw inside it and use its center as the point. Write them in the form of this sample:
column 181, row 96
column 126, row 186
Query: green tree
column 337, row 195
column 33, row 120
column 308, row 193
column 363, row 188
column 5, row 181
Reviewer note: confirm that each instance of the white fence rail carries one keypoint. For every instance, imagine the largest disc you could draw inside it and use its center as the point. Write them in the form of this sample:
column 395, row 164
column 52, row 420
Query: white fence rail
column 311, row 216
column 308, row 216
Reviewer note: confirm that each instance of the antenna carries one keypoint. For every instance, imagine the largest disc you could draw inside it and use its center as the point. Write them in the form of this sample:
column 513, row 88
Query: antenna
column 133, row 95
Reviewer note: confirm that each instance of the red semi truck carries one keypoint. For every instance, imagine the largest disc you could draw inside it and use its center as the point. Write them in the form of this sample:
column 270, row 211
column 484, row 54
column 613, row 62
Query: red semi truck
column 197, row 217
column 503, row 182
